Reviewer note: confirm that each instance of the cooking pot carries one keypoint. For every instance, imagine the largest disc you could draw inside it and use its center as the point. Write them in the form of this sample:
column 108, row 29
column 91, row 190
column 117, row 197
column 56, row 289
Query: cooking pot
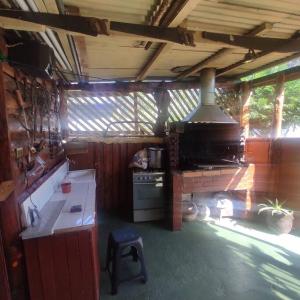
column 155, row 158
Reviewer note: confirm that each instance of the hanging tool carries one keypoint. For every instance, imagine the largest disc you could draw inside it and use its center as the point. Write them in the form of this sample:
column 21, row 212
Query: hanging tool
column 30, row 162
column 21, row 107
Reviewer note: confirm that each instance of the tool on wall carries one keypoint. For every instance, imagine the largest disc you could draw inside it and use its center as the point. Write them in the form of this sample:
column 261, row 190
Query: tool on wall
column 22, row 118
column 20, row 102
column 38, row 115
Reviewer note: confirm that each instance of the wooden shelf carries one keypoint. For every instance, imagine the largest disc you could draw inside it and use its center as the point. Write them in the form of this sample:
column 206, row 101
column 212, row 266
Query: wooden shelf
column 6, row 188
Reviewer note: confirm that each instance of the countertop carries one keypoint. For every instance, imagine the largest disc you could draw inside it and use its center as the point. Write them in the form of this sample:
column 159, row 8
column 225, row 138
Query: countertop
column 56, row 216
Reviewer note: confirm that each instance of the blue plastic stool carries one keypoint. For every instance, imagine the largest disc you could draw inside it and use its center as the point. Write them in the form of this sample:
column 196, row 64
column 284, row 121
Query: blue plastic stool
column 118, row 241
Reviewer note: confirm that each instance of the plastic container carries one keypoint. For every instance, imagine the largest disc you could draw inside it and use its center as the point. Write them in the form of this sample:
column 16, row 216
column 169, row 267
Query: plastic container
column 66, row 187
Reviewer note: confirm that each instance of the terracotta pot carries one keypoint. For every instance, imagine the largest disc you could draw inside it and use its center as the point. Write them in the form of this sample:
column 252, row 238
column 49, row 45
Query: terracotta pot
column 279, row 223
column 66, row 187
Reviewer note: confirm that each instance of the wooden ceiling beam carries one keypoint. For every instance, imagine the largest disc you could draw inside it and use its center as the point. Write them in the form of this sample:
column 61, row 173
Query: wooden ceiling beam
column 258, row 55
column 223, row 52
column 50, row 6
column 240, row 63
column 173, row 17
column 94, row 27
column 266, row 26
column 129, row 87
column 289, row 74
column 80, row 45
column 14, row 24
column 86, row 26
column 269, row 65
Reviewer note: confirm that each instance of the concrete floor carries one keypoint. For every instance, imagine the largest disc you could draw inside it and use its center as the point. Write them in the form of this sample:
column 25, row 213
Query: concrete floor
column 208, row 261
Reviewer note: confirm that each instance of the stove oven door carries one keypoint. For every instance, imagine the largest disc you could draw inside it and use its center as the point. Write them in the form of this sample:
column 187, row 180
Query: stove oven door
column 148, row 201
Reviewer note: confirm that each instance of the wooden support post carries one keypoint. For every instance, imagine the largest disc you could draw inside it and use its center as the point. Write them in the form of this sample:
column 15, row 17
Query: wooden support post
column 162, row 99
column 278, row 107
column 136, row 117
column 5, row 156
column 244, row 114
column 248, row 202
column 63, row 113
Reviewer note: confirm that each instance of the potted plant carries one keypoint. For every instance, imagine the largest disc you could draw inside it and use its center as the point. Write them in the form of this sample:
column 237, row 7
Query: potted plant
column 278, row 219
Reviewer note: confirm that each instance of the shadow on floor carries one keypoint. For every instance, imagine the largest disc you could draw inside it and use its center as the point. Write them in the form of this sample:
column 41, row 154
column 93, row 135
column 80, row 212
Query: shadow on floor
column 204, row 261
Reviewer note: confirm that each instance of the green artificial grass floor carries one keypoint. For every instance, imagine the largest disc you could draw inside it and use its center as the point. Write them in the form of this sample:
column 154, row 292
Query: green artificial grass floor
column 207, row 261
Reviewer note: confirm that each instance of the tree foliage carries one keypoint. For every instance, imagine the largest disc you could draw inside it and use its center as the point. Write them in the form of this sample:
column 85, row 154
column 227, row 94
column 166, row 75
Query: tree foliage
column 291, row 107
column 261, row 111
column 262, row 104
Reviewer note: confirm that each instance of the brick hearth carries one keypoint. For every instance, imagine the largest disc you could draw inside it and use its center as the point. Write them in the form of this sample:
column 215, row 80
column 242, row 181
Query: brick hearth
column 253, row 178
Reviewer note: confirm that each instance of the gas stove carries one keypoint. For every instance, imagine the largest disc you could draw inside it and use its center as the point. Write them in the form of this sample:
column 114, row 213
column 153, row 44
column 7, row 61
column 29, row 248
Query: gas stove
column 148, row 176
column 148, row 196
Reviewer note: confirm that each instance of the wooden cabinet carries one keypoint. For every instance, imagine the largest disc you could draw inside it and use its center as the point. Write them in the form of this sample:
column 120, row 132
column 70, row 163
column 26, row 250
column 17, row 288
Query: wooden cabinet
column 4, row 285
column 63, row 266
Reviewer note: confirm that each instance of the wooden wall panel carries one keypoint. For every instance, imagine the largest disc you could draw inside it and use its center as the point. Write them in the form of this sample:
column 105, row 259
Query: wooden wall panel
column 123, row 176
column 82, row 156
column 10, row 169
column 115, row 173
column 288, row 172
column 257, row 150
column 284, row 153
column 107, row 171
column 114, row 177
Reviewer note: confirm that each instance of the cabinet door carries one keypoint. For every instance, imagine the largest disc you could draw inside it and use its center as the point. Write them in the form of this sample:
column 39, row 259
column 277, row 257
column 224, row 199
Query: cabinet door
column 4, row 285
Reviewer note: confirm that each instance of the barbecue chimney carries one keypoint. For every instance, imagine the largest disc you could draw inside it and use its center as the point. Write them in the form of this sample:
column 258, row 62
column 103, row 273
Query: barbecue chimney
column 208, row 111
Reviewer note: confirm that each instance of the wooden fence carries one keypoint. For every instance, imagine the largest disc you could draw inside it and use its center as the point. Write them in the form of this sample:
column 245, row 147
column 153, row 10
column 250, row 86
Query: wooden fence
column 123, row 114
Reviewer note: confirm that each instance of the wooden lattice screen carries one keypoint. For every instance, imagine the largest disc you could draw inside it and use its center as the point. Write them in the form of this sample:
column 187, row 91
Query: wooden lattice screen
column 110, row 114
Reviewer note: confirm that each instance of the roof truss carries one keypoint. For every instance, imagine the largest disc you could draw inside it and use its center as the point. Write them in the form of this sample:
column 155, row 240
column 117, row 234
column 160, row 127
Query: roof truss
column 223, row 52
column 174, row 16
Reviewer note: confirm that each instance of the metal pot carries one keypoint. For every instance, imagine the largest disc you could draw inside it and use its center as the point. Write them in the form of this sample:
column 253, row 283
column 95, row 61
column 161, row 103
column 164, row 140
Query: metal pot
column 155, row 158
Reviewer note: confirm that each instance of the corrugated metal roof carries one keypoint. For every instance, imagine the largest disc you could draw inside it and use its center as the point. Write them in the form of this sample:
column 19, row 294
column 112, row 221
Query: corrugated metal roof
column 134, row 11
column 121, row 58
column 116, row 57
